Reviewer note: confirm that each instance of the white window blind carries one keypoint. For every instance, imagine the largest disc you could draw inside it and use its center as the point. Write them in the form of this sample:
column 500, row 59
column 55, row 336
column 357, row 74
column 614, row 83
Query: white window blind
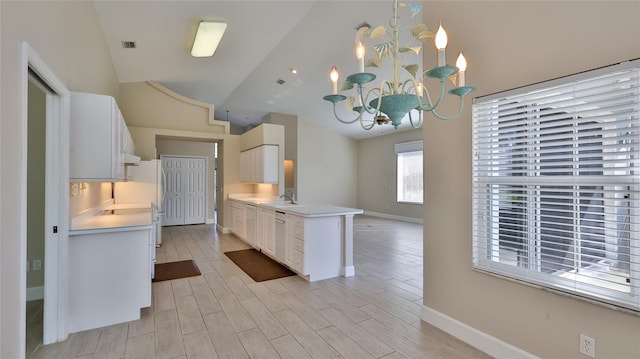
column 556, row 178
column 409, row 172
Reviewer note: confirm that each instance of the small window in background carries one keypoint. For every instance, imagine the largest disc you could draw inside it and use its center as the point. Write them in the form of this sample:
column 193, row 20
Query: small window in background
column 409, row 172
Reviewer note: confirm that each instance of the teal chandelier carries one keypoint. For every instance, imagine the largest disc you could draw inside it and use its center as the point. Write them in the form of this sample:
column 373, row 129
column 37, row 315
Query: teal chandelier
column 394, row 99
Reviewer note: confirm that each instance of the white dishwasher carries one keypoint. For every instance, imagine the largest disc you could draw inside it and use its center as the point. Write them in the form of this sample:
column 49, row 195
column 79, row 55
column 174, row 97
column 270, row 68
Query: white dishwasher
column 280, row 235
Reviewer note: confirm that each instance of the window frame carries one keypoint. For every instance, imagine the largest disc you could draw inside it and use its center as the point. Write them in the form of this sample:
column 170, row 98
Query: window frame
column 487, row 222
column 402, row 149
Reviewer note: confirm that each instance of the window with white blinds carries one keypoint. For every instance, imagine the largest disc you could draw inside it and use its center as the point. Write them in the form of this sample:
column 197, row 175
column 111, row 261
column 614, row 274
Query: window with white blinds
column 556, row 184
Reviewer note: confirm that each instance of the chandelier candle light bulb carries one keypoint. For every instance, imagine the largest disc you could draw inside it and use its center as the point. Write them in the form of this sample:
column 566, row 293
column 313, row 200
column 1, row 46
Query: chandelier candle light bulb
column 360, row 52
column 334, row 78
column 441, row 45
column 461, row 64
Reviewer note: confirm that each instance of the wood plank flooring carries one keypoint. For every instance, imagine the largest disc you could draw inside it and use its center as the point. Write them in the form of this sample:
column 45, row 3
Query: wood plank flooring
column 225, row 314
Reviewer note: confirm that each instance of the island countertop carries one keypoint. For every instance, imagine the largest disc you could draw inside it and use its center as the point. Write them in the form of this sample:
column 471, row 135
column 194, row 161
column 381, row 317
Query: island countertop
column 301, row 209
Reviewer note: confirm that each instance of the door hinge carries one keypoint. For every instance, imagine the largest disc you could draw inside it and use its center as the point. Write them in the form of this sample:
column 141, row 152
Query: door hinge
column 55, row 229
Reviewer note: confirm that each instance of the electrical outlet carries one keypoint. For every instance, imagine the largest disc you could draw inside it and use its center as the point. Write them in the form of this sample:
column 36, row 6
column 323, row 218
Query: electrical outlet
column 587, row 346
column 37, row 265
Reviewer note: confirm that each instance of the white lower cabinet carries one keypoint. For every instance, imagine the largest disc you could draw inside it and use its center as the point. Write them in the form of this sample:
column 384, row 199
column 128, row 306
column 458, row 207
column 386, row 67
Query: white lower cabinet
column 294, row 243
column 266, row 231
column 314, row 246
column 310, row 246
column 250, row 222
column 237, row 219
column 109, row 276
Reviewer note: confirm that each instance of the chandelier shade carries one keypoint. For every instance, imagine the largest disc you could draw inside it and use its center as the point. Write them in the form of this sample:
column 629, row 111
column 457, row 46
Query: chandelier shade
column 396, row 98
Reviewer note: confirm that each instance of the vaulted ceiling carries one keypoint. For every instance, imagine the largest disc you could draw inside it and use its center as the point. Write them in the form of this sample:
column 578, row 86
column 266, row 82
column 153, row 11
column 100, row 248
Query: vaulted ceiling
column 263, row 42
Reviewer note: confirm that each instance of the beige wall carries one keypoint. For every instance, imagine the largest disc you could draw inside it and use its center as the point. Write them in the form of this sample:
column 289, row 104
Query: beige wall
column 174, row 111
column 377, row 175
column 510, row 44
column 290, row 123
column 67, row 36
column 192, row 148
column 327, row 166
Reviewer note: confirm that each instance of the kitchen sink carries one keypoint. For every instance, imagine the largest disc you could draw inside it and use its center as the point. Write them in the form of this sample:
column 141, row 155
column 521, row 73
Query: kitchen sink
column 284, row 204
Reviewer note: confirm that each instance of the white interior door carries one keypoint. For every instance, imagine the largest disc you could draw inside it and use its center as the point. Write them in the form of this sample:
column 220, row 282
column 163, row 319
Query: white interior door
column 185, row 190
column 195, row 173
column 174, row 193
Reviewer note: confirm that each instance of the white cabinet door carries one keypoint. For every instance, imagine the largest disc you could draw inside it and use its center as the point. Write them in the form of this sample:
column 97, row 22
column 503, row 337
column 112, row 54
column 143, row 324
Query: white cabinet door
column 195, row 174
column 266, row 164
column 185, row 190
column 174, row 192
column 260, row 164
column 109, row 277
column 266, row 230
column 96, row 152
column 250, row 214
column 237, row 211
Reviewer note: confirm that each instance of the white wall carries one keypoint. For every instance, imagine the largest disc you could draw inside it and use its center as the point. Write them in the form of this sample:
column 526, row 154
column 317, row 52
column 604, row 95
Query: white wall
column 377, row 175
column 327, row 166
column 510, row 44
column 67, row 36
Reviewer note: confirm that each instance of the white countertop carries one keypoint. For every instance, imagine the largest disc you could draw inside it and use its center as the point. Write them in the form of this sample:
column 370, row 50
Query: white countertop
column 301, row 209
column 130, row 215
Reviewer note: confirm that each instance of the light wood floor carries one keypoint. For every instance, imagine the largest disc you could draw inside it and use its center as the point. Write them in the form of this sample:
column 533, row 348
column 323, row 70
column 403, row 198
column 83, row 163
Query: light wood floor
column 225, row 314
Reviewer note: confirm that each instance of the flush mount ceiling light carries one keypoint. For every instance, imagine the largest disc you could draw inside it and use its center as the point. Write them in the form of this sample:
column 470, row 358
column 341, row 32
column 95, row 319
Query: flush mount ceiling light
column 397, row 97
column 207, row 38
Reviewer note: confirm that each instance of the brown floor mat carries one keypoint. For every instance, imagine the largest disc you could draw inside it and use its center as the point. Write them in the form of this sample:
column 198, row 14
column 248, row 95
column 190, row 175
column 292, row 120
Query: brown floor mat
column 176, row 270
column 258, row 266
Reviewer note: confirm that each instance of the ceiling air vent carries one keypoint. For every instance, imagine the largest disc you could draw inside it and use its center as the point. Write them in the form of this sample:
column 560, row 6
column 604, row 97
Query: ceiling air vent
column 280, row 81
column 129, row 44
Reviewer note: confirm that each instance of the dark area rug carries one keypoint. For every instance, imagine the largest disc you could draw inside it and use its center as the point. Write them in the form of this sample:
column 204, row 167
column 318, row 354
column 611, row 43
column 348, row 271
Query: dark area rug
column 258, row 266
column 176, row 270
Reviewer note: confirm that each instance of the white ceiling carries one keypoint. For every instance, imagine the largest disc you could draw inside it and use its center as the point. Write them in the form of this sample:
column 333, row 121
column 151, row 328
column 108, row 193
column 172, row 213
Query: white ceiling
column 263, row 41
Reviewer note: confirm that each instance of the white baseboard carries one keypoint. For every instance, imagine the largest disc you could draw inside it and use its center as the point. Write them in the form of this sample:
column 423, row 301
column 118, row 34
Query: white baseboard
column 393, row 216
column 210, row 221
column 35, row 293
column 483, row 341
column 222, row 229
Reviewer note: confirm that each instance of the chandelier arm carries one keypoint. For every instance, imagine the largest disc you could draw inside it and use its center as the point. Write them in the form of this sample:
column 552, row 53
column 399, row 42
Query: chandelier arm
column 419, row 119
column 369, row 109
column 366, row 127
column 461, row 107
column 432, row 106
column 343, row 121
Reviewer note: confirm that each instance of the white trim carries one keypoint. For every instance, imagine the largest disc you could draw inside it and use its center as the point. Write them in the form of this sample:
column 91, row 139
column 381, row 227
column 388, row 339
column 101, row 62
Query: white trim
column 393, row 216
column 57, row 195
column 210, row 221
column 472, row 336
column 221, row 229
column 411, row 146
column 35, row 293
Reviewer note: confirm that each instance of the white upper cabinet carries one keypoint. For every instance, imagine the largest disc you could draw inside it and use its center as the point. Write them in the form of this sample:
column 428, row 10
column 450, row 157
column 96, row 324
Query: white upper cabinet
column 259, row 164
column 98, row 136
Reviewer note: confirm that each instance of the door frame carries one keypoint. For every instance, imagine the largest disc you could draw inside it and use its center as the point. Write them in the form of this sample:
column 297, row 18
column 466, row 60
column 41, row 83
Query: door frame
column 56, row 197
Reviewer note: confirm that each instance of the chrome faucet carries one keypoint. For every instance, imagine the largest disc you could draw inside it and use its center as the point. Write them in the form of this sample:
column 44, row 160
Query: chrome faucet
column 292, row 198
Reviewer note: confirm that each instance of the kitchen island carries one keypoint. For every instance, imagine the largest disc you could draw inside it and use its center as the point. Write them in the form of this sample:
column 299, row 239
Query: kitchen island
column 313, row 240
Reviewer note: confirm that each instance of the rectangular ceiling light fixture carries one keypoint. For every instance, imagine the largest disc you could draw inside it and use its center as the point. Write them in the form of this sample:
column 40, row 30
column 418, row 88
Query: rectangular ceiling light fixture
column 207, row 38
